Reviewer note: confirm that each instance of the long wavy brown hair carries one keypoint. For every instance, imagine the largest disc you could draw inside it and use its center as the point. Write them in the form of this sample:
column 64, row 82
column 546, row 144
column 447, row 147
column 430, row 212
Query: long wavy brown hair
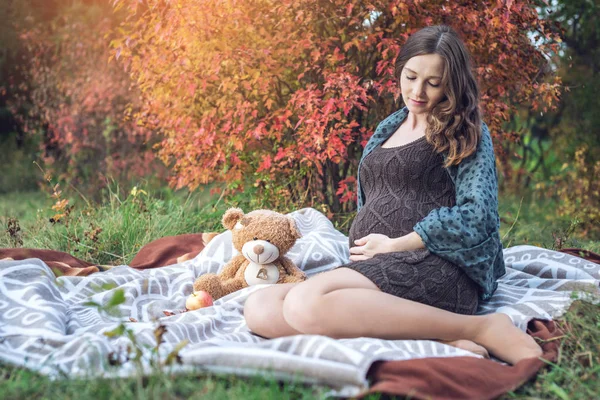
column 455, row 122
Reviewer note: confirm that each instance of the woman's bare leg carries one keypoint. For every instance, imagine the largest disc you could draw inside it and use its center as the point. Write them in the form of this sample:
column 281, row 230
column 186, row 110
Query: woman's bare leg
column 263, row 309
column 263, row 312
column 343, row 304
column 264, row 316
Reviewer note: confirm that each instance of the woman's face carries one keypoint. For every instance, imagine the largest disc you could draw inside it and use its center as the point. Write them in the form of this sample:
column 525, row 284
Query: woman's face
column 421, row 83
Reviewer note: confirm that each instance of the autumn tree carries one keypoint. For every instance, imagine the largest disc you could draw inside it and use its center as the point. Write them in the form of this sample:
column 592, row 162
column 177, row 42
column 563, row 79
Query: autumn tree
column 574, row 127
column 78, row 103
column 284, row 94
column 18, row 149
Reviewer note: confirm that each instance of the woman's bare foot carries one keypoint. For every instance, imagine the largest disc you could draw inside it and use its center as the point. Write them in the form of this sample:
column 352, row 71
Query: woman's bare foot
column 504, row 340
column 469, row 346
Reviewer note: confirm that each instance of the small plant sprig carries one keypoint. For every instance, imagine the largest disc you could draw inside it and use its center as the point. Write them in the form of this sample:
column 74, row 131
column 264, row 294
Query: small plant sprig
column 561, row 237
column 136, row 350
column 138, row 198
column 61, row 206
column 14, row 232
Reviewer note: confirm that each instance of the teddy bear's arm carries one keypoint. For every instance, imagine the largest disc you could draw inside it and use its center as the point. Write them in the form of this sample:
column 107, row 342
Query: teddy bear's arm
column 232, row 267
column 218, row 287
column 293, row 271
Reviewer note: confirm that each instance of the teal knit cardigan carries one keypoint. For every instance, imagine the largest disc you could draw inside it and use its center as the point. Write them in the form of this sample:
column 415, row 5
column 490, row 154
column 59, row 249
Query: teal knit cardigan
column 467, row 234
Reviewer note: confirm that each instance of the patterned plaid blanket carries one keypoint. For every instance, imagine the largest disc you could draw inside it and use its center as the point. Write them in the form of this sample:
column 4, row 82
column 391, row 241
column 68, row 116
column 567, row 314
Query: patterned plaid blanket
column 47, row 324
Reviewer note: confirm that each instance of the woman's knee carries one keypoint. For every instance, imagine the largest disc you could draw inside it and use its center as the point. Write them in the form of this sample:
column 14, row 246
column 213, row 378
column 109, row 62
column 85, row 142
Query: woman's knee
column 262, row 309
column 302, row 309
column 256, row 308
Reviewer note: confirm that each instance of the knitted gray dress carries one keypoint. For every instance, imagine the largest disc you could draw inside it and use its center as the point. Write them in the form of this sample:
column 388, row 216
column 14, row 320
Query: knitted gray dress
column 402, row 185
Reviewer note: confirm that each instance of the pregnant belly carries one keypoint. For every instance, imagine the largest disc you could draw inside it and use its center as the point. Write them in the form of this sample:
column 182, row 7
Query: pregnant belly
column 394, row 223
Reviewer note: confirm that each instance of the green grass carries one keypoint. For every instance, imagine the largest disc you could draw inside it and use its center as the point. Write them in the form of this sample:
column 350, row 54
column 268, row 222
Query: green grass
column 113, row 233
column 23, row 205
column 17, row 383
column 534, row 221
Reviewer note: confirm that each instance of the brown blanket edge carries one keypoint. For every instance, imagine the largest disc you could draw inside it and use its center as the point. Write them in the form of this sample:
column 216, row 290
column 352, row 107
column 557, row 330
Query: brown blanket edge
column 462, row 377
column 585, row 254
column 161, row 252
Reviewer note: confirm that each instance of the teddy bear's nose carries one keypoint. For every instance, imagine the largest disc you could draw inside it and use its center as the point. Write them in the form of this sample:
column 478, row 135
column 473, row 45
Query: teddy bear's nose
column 258, row 249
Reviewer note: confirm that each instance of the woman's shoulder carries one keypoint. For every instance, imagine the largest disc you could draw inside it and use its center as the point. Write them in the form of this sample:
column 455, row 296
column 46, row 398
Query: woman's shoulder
column 479, row 166
column 486, row 143
column 390, row 123
column 485, row 148
column 386, row 128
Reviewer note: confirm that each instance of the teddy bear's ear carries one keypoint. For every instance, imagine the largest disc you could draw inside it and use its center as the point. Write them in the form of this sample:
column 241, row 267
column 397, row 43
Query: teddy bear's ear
column 294, row 228
column 231, row 217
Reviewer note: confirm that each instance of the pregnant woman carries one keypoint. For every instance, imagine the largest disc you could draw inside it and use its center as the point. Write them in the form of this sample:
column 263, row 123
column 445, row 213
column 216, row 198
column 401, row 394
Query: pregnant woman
column 424, row 245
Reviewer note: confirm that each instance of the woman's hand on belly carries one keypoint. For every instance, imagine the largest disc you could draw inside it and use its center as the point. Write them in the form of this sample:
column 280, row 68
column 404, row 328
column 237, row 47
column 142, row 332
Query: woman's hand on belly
column 376, row 243
column 368, row 246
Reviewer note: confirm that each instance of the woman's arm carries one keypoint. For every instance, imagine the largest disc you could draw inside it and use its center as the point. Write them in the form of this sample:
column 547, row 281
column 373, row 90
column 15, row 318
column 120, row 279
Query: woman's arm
column 474, row 220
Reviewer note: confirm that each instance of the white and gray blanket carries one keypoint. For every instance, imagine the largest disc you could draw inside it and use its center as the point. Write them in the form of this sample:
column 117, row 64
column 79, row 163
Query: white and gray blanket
column 47, row 324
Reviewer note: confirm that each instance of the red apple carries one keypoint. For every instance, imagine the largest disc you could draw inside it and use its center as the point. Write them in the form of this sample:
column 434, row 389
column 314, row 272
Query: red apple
column 198, row 300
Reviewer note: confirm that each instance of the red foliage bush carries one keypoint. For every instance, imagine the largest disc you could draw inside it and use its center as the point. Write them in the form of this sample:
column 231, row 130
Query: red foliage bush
column 287, row 92
column 79, row 104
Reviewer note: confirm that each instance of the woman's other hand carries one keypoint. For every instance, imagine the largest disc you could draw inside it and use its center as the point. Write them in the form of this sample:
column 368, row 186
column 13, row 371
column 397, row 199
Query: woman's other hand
column 376, row 243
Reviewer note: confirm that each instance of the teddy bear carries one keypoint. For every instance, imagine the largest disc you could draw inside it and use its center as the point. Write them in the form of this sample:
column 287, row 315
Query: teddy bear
column 261, row 237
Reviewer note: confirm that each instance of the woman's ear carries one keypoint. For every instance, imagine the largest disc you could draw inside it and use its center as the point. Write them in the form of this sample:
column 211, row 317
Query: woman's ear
column 231, row 217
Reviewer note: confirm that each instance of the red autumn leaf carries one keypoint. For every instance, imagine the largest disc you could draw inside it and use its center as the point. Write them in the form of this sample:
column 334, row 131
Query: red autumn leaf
column 265, row 164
